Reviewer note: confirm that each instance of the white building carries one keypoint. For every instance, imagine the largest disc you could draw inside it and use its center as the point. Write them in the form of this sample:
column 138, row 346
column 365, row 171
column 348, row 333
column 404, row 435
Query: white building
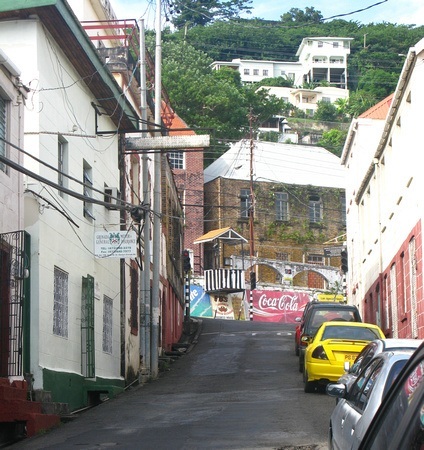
column 253, row 71
column 383, row 161
column 304, row 99
column 73, row 113
column 325, row 59
column 319, row 59
column 307, row 99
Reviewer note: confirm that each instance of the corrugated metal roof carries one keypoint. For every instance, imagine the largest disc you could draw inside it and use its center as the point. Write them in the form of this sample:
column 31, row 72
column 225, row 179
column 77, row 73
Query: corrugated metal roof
column 279, row 163
column 378, row 111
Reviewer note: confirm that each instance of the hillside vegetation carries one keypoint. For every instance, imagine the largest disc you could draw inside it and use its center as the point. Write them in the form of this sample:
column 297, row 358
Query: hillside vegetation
column 218, row 101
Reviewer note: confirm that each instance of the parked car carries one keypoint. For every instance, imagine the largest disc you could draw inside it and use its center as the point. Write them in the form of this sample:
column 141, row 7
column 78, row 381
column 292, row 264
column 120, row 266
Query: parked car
column 358, row 404
column 334, row 343
column 318, row 313
column 399, row 421
column 373, row 349
column 299, row 327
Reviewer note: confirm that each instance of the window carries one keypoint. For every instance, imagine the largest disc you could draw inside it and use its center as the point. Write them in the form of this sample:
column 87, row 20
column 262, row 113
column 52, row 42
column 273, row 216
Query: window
column 335, row 45
column 281, row 206
column 320, row 44
column 291, row 76
column 245, row 203
column 265, row 72
column 281, row 256
column 255, row 71
column 176, row 160
column 107, row 324
column 3, row 131
column 316, row 259
column 62, row 164
column 60, row 303
column 361, row 390
column 326, row 100
column 246, row 71
column 88, row 191
column 315, row 209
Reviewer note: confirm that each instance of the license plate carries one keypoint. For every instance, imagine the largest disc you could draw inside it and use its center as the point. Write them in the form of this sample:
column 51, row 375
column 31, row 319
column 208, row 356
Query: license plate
column 350, row 357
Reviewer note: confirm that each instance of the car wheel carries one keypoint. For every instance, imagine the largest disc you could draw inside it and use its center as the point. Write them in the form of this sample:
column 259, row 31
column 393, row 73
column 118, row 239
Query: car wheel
column 309, row 385
column 301, row 364
column 296, row 349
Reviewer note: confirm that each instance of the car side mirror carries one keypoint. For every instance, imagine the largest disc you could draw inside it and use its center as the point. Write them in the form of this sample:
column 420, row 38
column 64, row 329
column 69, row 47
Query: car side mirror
column 336, row 390
column 306, row 339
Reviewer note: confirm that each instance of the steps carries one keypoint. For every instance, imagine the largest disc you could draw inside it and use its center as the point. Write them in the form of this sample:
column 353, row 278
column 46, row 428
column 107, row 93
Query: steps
column 16, row 408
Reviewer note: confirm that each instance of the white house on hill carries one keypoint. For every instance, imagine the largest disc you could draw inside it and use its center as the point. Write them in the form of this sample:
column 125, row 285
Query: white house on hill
column 319, row 59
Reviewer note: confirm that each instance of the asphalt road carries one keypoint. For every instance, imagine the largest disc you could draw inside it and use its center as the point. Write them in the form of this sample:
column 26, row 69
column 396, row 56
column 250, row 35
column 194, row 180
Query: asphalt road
column 238, row 388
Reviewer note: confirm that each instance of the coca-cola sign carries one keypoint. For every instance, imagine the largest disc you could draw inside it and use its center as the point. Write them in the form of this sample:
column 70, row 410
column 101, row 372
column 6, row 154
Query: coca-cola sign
column 278, row 306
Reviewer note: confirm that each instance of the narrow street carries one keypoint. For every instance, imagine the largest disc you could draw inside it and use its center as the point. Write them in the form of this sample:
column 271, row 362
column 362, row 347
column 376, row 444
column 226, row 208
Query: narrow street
column 238, row 388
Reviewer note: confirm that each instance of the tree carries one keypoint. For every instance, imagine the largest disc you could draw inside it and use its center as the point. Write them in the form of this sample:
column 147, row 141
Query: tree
column 378, row 82
column 297, row 16
column 189, row 13
column 359, row 102
column 333, row 141
column 276, row 82
column 326, row 112
column 213, row 99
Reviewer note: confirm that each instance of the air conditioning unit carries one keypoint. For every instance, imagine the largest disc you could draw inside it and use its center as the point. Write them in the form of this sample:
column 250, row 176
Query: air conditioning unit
column 112, row 197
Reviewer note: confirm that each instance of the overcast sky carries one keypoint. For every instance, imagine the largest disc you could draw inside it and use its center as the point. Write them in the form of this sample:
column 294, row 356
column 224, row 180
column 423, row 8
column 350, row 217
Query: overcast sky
column 376, row 11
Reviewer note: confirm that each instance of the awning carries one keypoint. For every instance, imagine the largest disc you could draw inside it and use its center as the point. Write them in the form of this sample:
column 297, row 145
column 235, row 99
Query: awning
column 227, row 234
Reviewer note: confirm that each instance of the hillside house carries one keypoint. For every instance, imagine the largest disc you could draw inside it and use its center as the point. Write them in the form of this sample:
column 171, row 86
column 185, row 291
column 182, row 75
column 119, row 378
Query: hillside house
column 320, row 59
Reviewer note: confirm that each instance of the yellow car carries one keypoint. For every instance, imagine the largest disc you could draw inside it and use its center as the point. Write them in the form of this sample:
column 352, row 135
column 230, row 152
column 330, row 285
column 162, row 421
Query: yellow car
column 334, row 344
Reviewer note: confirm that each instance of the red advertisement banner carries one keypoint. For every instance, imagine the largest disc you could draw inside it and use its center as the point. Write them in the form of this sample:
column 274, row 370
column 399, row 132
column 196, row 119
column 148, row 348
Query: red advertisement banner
column 278, row 306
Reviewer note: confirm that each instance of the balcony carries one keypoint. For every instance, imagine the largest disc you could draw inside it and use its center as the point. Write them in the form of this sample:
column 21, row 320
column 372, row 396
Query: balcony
column 118, row 44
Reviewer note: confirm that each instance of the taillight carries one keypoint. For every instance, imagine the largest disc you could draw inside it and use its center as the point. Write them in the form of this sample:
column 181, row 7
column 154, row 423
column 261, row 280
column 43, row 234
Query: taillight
column 319, row 353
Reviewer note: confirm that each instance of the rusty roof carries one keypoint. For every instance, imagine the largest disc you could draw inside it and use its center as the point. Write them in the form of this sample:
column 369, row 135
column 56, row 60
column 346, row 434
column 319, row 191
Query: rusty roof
column 378, row 111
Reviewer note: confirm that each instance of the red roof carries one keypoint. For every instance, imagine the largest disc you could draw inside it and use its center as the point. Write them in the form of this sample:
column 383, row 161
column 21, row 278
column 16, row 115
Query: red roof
column 180, row 125
column 378, row 111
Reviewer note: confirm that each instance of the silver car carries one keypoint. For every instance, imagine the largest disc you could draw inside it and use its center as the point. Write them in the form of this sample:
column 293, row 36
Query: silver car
column 358, row 404
column 372, row 349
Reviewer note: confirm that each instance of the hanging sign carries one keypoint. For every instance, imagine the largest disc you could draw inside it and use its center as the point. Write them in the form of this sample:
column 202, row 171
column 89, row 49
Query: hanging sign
column 115, row 244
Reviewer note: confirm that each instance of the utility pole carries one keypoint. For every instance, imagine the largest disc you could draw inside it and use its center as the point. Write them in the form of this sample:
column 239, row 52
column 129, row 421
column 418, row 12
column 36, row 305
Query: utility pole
column 145, row 319
column 251, row 219
column 157, row 204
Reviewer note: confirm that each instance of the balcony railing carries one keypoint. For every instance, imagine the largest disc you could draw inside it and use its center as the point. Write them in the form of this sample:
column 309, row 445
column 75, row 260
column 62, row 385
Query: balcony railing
column 125, row 33
column 224, row 280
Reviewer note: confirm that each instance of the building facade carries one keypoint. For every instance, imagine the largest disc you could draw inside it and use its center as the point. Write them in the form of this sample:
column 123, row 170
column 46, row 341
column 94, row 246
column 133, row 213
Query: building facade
column 296, row 196
column 384, row 207
column 73, row 345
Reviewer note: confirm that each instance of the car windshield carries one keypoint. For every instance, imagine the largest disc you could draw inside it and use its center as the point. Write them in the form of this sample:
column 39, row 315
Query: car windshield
column 325, row 315
column 349, row 332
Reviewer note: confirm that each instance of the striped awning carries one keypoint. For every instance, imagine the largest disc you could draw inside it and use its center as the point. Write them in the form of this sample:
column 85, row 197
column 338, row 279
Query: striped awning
column 227, row 234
